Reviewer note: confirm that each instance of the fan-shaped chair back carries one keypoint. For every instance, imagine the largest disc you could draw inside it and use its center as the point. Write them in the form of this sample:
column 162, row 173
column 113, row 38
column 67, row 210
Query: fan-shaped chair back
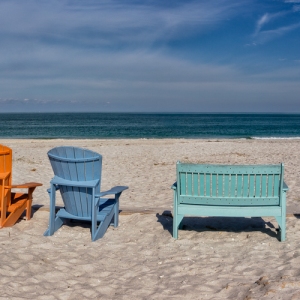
column 76, row 164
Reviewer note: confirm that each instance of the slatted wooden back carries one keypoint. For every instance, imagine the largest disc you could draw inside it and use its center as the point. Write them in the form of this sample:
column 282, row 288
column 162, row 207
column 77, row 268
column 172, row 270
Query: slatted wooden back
column 229, row 184
column 76, row 164
column 5, row 167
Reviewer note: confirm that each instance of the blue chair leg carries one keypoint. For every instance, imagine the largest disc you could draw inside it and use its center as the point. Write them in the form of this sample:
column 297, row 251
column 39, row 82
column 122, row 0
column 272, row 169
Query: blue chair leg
column 99, row 232
column 58, row 222
column 54, row 221
column 116, row 210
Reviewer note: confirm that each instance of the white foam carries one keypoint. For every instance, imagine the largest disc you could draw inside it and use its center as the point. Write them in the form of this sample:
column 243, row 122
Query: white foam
column 276, row 138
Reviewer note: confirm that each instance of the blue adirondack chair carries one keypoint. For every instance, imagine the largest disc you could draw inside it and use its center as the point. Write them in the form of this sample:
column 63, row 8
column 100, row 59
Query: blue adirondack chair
column 78, row 178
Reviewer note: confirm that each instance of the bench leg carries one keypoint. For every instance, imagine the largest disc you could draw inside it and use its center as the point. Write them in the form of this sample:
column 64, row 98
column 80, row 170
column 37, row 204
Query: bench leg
column 176, row 224
column 282, row 233
column 281, row 222
column 180, row 225
column 282, row 219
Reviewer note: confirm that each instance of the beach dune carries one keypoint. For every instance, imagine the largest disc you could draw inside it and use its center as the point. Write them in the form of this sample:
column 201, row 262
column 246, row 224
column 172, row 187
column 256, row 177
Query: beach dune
column 214, row 258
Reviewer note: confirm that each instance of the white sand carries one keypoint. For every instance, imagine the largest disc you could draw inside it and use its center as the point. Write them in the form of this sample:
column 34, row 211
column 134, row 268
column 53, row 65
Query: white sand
column 214, row 258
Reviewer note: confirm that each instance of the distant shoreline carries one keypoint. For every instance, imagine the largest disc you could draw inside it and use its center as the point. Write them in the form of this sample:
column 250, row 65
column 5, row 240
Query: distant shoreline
column 213, row 139
column 152, row 138
column 157, row 113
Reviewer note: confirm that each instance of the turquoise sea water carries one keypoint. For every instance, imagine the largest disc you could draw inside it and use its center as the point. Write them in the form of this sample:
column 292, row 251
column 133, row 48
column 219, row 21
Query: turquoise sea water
column 132, row 125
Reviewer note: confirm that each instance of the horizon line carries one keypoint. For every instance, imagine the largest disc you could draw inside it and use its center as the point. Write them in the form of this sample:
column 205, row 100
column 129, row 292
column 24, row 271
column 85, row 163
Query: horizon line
column 142, row 112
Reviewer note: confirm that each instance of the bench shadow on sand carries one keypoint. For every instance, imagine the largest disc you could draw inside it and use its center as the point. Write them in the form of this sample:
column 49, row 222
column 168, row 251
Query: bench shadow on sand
column 217, row 224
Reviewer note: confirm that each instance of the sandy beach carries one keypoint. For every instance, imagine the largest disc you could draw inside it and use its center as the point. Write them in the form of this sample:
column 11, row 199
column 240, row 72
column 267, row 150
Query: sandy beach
column 214, row 258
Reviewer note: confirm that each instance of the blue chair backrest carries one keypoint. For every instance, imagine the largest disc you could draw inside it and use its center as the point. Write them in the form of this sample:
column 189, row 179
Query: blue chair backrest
column 76, row 164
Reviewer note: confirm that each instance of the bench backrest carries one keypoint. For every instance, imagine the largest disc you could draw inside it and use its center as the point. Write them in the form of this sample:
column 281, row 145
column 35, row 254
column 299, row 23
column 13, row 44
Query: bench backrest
column 76, row 164
column 238, row 185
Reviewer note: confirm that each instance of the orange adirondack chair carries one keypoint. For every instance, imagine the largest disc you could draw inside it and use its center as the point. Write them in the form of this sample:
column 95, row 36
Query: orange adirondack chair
column 12, row 205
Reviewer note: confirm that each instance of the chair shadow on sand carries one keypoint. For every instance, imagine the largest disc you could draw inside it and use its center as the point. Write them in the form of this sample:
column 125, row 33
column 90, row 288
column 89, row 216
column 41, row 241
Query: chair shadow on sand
column 34, row 209
column 218, row 224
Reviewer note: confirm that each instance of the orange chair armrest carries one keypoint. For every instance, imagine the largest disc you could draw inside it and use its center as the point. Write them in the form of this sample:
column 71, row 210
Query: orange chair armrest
column 4, row 175
column 27, row 185
column 4, row 152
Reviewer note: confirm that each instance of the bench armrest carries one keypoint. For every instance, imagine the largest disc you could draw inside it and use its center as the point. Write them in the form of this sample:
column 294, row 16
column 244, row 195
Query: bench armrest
column 174, row 186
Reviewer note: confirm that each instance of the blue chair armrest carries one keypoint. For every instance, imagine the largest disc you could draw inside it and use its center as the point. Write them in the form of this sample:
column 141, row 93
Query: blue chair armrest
column 112, row 191
column 174, row 186
column 285, row 187
column 88, row 184
column 56, row 188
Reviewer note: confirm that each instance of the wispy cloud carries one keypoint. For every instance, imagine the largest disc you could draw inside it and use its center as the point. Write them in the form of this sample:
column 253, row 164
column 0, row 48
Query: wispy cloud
column 267, row 18
column 71, row 49
column 263, row 20
column 268, row 35
column 110, row 23
column 128, row 52
column 295, row 3
column 261, row 35
column 296, row 8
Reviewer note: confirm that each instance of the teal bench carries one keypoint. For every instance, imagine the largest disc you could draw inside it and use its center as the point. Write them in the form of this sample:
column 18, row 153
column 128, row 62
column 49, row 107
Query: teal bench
column 229, row 191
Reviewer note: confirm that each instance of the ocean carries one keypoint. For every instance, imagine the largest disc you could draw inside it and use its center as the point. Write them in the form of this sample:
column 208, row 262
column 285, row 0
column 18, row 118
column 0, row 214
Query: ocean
column 148, row 125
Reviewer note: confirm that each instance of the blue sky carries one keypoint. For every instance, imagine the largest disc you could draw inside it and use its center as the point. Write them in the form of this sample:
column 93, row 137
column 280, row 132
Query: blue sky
column 150, row 56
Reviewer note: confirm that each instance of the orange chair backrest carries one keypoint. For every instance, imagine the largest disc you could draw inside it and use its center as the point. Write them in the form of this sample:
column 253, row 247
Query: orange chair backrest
column 5, row 166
